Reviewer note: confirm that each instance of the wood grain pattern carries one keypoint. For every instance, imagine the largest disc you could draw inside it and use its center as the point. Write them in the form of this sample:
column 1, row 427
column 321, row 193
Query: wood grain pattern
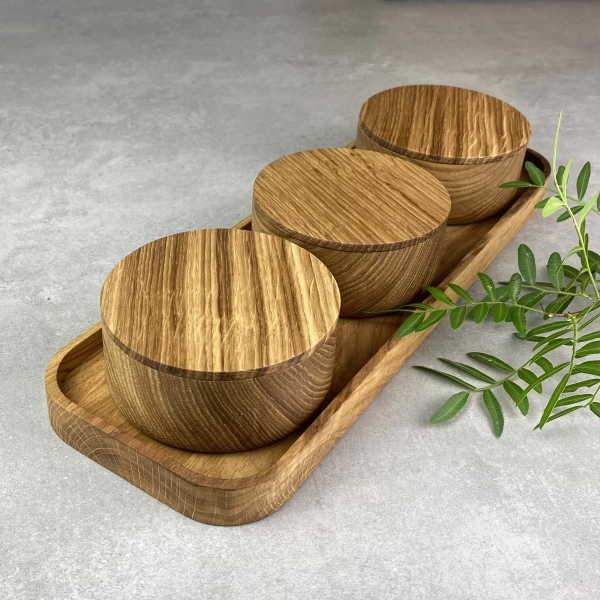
column 444, row 124
column 470, row 141
column 217, row 304
column 205, row 331
column 376, row 222
column 346, row 199
column 237, row 488
column 473, row 189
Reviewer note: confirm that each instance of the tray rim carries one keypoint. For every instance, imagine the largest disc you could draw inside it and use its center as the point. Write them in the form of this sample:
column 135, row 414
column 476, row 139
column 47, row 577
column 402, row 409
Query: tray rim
column 362, row 388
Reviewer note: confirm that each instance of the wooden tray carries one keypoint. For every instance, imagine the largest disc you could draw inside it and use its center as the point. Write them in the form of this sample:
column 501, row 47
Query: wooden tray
column 237, row 488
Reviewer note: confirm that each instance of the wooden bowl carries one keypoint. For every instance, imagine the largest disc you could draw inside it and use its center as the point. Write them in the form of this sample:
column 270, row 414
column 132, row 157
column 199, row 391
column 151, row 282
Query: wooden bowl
column 377, row 222
column 206, row 334
column 470, row 141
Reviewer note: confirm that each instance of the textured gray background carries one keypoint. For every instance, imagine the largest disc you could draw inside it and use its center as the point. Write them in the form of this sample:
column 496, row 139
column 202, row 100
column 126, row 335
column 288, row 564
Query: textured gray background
column 125, row 120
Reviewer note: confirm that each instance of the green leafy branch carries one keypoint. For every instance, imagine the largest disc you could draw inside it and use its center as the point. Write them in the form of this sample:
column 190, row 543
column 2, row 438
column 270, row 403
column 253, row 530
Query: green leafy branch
column 512, row 301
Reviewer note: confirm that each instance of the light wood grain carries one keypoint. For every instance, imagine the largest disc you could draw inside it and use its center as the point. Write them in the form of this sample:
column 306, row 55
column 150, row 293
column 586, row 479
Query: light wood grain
column 237, row 488
column 470, row 141
column 346, row 199
column 444, row 124
column 205, row 331
column 219, row 304
column 376, row 222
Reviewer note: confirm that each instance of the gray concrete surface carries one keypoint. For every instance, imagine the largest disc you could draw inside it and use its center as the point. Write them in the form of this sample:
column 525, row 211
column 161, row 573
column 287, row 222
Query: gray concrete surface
column 122, row 121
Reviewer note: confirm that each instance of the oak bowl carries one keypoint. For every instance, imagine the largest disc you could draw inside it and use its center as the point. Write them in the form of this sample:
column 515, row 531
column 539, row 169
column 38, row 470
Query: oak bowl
column 207, row 333
column 377, row 222
column 470, row 141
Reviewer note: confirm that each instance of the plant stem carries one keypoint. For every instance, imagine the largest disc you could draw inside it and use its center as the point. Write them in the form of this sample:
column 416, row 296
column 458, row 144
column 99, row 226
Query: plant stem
column 490, row 302
column 562, row 194
column 501, row 381
column 583, row 249
column 551, row 292
column 575, row 322
column 593, row 397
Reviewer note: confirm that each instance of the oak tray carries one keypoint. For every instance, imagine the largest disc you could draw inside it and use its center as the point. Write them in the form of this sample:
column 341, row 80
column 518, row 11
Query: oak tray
column 238, row 488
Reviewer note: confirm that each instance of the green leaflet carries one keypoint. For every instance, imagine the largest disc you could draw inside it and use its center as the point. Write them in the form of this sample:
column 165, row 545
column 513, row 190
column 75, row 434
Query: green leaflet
column 519, row 320
column 573, row 399
column 564, row 180
column 502, row 293
column 595, row 408
column 516, row 393
column 536, row 175
column 572, row 251
column 594, row 260
column 544, row 363
column 493, row 406
column 588, row 349
column 560, row 173
column 410, row 324
column 421, row 305
column 532, row 298
column 554, row 307
column 500, row 311
column 580, row 254
column 572, row 387
column 556, row 143
column 583, row 180
column 470, row 370
column 439, row 295
column 553, row 400
column 589, row 321
column 591, row 367
column 556, row 275
column 553, row 205
column 531, row 378
column 550, row 347
column 534, row 338
column 547, row 327
column 460, row 292
column 457, row 316
column 585, row 282
column 515, row 184
column 526, row 261
column 560, row 414
column 480, row 312
column 571, row 272
column 550, row 338
column 488, row 359
column 514, row 286
column 488, row 285
column 509, row 317
column 590, row 336
column 565, row 216
column 434, row 317
column 450, row 408
column 466, row 385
